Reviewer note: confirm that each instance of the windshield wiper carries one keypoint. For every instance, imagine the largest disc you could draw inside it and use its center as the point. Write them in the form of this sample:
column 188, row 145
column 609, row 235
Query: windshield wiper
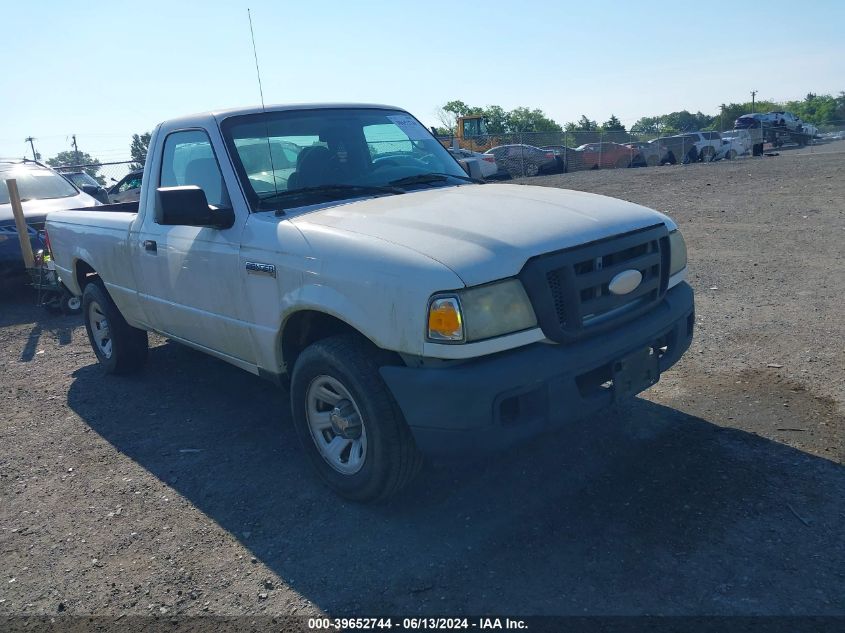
column 429, row 177
column 326, row 190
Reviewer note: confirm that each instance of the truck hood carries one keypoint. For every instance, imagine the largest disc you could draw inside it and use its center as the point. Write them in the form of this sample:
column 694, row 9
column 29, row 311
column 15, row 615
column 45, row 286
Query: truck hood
column 488, row 232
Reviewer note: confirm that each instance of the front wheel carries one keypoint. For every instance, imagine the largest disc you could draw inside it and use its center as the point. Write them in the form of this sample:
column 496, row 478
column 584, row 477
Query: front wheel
column 120, row 348
column 531, row 170
column 348, row 422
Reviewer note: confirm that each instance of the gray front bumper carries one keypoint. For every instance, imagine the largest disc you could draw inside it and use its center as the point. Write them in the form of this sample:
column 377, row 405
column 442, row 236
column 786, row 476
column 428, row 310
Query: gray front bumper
column 493, row 402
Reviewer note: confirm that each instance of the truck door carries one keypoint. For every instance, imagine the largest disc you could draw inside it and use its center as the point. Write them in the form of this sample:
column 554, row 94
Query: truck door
column 189, row 276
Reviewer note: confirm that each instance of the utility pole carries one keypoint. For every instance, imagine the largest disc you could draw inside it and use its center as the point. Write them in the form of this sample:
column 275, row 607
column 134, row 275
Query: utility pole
column 75, row 148
column 721, row 115
column 753, row 94
column 31, row 140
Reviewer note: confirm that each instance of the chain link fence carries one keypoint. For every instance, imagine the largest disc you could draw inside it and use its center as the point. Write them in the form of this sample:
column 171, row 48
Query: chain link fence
column 533, row 153
column 106, row 174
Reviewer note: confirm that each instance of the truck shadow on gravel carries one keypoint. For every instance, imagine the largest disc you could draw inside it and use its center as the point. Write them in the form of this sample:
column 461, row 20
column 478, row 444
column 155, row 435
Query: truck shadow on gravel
column 647, row 510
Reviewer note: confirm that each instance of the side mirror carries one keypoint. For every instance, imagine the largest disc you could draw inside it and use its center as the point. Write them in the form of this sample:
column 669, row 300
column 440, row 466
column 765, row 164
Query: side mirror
column 188, row 206
column 471, row 167
column 91, row 190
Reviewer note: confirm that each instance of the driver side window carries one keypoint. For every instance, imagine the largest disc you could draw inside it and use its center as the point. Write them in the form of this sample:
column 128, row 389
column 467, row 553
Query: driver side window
column 188, row 159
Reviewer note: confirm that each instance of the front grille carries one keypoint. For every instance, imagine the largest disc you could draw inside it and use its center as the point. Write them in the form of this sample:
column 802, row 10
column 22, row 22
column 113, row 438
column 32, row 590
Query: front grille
column 570, row 289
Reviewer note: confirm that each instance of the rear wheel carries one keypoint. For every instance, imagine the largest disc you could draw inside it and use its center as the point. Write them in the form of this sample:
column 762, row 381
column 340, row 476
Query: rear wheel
column 731, row 154
column 120, row 348
column 531, row 169
column 707, row 154
column 69, row 304
column 348, row 422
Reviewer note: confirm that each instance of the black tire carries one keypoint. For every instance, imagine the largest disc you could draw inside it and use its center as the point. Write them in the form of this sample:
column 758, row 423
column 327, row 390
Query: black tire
column 392, row 459
column 68, row 303
column 706, row 154
column 731, row 154
column 128, row 347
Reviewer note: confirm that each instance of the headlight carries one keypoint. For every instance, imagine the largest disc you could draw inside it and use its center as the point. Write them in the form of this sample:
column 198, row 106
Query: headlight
column 479, row 313
column 678, row 252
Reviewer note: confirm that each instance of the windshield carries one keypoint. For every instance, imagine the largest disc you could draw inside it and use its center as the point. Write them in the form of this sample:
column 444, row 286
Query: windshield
column 34, row 183
column 81, row 178
column 300, row 155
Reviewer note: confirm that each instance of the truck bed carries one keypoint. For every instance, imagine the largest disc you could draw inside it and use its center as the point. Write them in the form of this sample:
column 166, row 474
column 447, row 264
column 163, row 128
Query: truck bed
column 125, row 207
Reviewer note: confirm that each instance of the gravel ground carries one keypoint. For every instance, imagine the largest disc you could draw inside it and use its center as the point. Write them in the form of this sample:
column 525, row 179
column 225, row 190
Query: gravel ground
column 721, row 491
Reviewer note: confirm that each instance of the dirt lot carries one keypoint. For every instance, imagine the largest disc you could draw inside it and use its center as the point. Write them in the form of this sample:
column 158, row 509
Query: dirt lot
column 721, row 491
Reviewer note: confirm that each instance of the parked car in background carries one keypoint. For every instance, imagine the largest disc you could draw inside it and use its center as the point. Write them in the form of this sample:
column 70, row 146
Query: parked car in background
column 678, row 149
column 128, row 188
column 568, row 158
column 524, row 160
column 749, row 121
column 487, row 162
column 648, row 154
column 707, row 144
column 788, row 120
column 85, row 182
column 604, row 155
column 810, row 130
column 734, row 143
column 41, row 190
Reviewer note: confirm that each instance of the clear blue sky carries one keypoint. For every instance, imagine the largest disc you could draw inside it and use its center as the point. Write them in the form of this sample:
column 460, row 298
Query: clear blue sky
column 105, row 70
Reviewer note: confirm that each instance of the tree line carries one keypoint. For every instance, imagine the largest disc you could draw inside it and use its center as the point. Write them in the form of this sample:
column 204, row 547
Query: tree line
column 817, row 109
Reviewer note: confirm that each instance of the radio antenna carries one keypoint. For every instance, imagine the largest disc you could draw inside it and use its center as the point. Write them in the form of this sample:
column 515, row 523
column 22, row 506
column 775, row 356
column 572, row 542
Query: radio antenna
column 263, row 108
column 255, row 54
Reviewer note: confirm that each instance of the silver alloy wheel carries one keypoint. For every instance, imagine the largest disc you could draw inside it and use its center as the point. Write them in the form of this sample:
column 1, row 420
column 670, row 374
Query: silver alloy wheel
column 336, row 425
column 100, row 331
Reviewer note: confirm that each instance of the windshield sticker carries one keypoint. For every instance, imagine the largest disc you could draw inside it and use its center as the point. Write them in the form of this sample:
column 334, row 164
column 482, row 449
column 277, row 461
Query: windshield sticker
column 410, row 126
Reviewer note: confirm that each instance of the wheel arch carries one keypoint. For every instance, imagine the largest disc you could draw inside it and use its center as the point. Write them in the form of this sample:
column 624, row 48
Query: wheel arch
column 306, row 326
column 83, row 274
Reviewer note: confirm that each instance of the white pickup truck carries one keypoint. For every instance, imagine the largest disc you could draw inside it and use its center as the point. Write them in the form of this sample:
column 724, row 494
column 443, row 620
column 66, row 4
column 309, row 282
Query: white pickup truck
column 412, row 309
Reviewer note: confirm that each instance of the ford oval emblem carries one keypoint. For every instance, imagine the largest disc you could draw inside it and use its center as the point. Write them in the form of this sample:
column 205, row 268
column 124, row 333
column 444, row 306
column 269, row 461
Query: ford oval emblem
column 625, row 282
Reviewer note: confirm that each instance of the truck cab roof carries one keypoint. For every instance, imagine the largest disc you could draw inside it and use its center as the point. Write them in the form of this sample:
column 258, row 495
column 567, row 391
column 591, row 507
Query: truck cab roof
column 215, row 116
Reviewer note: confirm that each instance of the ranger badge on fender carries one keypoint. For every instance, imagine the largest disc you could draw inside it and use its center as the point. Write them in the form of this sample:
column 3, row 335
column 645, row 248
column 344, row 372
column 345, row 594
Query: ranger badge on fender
column 259, row 268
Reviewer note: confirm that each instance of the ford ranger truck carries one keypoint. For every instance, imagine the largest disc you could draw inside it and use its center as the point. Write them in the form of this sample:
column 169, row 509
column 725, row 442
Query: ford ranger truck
column 410, row 308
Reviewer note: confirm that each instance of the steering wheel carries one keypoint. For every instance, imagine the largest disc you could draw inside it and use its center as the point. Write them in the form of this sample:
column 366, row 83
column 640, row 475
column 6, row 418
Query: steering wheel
column 403, row 161
column 429, row 160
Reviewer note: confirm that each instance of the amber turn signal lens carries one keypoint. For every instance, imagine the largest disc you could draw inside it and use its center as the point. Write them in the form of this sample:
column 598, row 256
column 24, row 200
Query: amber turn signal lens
column 444, row 320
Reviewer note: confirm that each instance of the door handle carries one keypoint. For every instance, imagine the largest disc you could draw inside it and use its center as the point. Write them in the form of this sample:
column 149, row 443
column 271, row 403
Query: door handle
column 151, row 246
